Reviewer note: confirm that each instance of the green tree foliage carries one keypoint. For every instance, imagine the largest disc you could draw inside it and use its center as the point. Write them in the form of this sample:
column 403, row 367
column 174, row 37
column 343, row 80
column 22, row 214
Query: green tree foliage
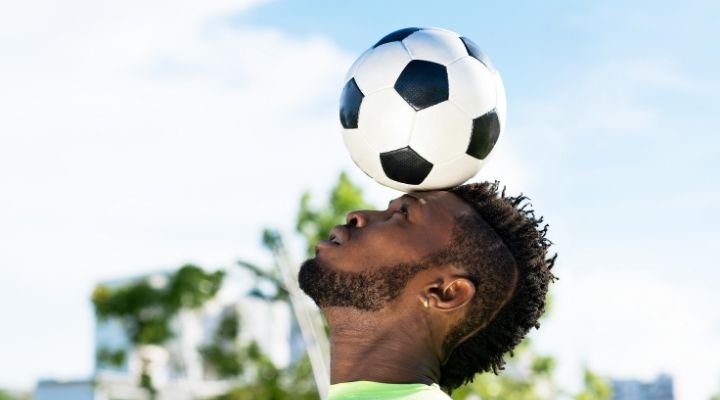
column 146, row 381
column 222, row 354
column 4, row 395
column 314, row 224
column 7, row 396
column 268, row 284
column 596, row 388
column 715, row 396
column 106, row 356
column 145, row 310
column 527, row 376
column 269, row 382
column 190, row 287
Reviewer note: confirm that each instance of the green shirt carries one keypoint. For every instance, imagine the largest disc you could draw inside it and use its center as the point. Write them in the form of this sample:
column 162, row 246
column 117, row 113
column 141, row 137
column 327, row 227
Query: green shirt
column 367, row 390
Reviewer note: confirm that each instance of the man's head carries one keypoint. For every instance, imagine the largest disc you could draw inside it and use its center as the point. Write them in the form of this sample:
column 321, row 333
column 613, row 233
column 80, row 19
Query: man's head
column 472, row 256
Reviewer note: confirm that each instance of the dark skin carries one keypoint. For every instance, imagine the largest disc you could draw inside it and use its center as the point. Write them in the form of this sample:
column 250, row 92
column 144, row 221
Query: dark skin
column 402, row 342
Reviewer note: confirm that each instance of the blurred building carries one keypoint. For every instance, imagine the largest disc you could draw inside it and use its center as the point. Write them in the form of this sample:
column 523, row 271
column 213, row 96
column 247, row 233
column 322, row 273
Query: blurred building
column 661, row 388
column 176, row 368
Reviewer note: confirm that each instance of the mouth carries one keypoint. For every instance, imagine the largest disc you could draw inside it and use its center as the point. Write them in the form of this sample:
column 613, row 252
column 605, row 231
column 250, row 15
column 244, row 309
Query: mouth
column 339, row 235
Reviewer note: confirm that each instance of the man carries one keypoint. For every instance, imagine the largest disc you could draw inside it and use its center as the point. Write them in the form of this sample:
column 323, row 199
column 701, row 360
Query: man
column 427, row 293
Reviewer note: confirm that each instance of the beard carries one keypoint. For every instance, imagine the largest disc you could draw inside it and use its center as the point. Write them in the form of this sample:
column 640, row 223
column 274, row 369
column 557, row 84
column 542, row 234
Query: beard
column 367, row 291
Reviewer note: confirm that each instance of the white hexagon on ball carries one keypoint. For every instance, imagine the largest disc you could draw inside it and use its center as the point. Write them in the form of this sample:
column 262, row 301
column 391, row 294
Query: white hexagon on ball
column 473, row 88
column 436, row 45
column 381, row 67
column 363, row 155
column 386, row 120
column 440, row 133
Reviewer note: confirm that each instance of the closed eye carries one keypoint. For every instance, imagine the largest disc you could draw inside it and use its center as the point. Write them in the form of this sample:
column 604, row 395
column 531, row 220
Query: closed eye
column 403, row 210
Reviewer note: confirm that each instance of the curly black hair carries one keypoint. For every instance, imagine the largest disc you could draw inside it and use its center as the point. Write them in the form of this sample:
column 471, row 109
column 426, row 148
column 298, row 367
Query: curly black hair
column 512, row 272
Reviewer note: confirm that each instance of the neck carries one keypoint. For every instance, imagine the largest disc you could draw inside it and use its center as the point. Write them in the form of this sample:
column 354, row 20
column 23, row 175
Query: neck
column 371, row 346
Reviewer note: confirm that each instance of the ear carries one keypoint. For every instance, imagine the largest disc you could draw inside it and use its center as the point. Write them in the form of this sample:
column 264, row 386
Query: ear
column 451, row 294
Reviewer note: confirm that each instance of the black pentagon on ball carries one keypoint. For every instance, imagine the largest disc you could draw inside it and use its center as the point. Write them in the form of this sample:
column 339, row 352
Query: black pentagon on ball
column 350, row 101
column 475, row 52
column 405, row 166
column 396, row 36
column 485, row 133
column 423, row 84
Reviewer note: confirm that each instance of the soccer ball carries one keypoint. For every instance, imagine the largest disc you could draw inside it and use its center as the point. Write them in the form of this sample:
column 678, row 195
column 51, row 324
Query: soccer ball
column 422, row 109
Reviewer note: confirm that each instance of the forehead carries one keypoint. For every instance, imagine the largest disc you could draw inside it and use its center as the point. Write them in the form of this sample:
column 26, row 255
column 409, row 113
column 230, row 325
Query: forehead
column 443, row 202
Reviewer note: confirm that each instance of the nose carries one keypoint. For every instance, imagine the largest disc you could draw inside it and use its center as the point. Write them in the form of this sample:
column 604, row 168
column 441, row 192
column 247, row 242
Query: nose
column 357, row 219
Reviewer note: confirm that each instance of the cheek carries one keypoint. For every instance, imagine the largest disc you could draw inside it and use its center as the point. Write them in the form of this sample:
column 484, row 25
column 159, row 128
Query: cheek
column 389, row 249
column 372, row 251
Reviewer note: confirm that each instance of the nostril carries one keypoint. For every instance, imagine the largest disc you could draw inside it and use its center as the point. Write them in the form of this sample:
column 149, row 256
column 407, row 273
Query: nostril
column 352, row 219
column 356, row 219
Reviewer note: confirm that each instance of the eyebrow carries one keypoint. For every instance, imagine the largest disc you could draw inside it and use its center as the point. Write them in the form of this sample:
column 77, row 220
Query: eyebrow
column 406, row 196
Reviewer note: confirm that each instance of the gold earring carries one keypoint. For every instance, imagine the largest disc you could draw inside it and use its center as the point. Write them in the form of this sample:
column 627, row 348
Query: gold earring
column 426, row 303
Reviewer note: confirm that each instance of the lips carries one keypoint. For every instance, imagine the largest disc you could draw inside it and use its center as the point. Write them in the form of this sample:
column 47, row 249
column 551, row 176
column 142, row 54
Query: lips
column 339, row 235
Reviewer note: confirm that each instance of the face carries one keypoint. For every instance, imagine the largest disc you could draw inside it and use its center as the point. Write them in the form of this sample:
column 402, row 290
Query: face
column 368, row 261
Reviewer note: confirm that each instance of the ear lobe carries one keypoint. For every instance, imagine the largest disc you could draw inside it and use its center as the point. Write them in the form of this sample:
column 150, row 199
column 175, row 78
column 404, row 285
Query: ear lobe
column 452, row 295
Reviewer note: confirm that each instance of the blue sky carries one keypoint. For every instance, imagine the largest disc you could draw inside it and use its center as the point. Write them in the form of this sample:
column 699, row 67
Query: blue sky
column 136, row 138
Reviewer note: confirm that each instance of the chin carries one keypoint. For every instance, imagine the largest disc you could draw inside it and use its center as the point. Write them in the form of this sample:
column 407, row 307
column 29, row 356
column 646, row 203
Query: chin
column 308, row 276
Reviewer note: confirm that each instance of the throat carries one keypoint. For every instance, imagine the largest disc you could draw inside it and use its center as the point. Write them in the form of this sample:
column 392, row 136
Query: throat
column 363, row 349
